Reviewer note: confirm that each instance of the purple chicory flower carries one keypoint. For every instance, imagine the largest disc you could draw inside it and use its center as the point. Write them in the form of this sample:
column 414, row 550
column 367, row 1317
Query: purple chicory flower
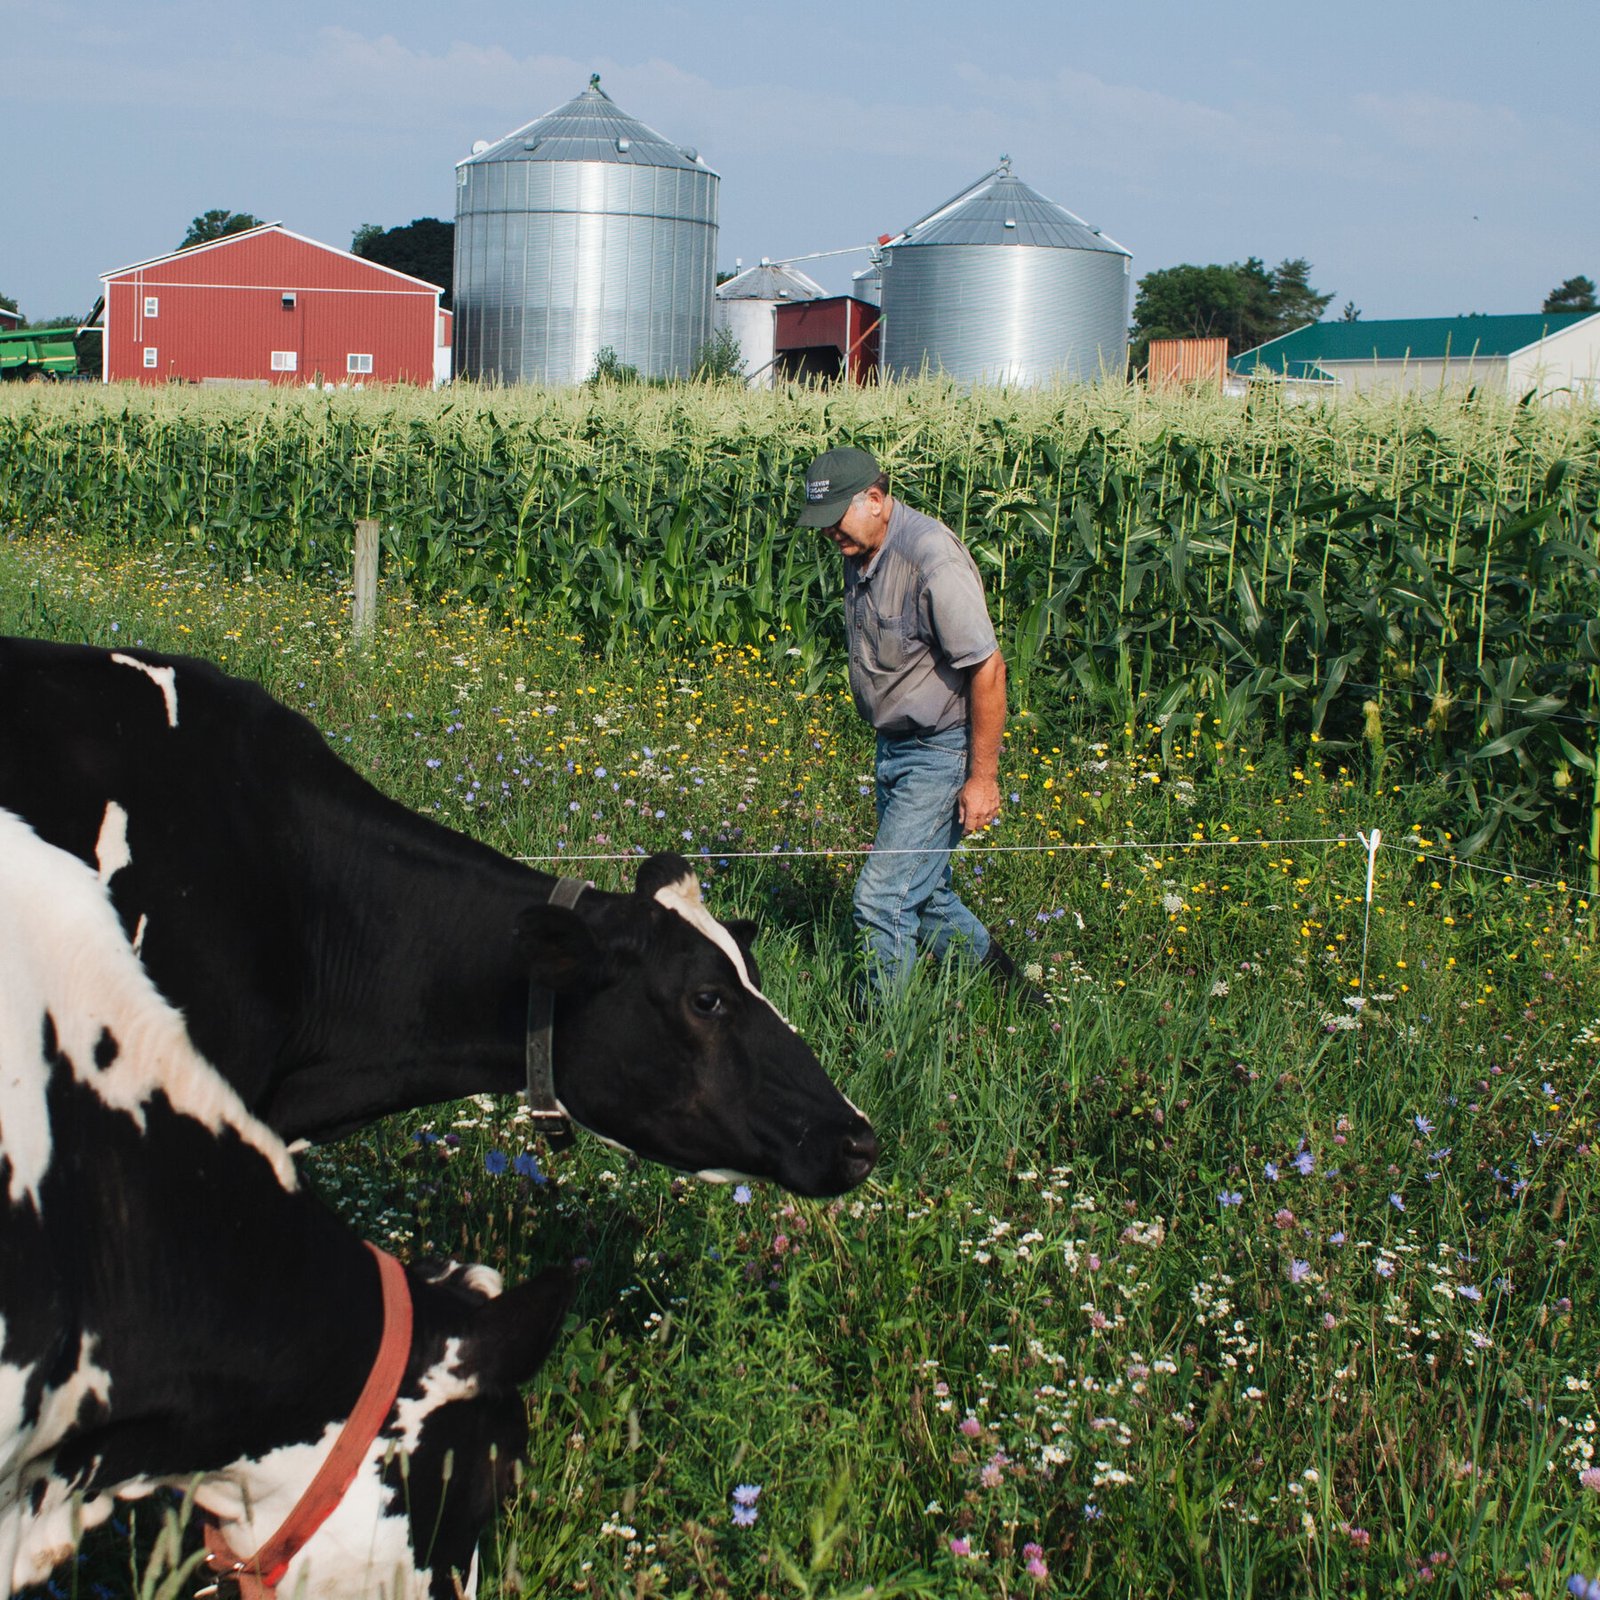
column 496, row 1162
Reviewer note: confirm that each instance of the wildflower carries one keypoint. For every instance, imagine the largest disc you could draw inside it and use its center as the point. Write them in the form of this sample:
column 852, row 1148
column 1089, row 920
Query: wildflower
column 1230, row 1197
column 1584, row 1588
column 1299, row 1271
column 1469, row 1291
column 526, row 1165
column 496, row 1162
column 1423, row 1126
column 1384, row 1269
column 1033, row 1561
column 971, row 1427
column 1271, row 1170
column 1306, row 1162
column 960, row 1546
column 745, row 1496
column 1336, row 1238
column 741, row 1194
column 1397, row 1202
column 1590, row 1478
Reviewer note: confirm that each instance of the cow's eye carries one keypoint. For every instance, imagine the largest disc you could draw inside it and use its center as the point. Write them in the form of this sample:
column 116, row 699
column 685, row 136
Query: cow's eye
column 707, row 1003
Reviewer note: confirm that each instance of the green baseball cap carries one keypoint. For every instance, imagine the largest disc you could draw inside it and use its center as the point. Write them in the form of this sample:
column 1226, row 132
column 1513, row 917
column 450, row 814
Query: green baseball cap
column 833, row 480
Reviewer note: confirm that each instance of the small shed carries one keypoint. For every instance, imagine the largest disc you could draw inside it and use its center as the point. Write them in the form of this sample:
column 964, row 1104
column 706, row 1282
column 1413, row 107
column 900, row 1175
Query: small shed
column 9, row 319
column 269, row 306
column 836, row 337
column 1197, row 363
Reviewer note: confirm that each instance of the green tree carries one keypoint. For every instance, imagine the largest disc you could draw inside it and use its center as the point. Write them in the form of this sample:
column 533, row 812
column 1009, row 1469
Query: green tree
column 609, row 367
column 1242, row 302
column 7, row 303
column 1351, row 312
column 1576, row 294
column 424, row 248
column 211, row 225
column 720, row 358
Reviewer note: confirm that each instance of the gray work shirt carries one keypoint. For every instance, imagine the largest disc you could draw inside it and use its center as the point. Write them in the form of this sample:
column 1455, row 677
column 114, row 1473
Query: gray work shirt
column 916, row 623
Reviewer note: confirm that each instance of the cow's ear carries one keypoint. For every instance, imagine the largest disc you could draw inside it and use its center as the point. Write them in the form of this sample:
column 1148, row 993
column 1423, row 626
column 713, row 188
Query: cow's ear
column 518, row 1330
column 666, row 871
column 558, row 946
column 744, row 935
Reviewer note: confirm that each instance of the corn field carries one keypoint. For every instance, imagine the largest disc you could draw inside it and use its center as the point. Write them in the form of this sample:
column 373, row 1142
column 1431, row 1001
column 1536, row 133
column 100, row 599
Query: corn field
column 1412, row 579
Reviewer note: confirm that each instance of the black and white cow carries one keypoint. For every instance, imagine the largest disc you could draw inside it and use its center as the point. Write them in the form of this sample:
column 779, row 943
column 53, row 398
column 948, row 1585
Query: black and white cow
column 338, row 957
column 173, row 1305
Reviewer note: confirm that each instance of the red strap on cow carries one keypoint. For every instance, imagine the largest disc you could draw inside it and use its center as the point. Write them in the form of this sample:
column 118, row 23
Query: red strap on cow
column 259, row 1575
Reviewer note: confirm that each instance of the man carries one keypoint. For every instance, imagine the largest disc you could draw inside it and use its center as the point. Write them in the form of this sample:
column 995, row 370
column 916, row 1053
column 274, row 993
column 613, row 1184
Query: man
column 927, row 673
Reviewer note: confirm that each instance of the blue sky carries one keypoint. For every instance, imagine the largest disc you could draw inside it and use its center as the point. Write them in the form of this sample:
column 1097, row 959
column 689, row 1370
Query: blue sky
column 1427, row 158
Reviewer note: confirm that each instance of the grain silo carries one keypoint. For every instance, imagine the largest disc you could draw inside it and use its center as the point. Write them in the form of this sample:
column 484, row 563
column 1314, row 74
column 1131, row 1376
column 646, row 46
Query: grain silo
column 1001, row 285
column 747, row 306
column 583, row 231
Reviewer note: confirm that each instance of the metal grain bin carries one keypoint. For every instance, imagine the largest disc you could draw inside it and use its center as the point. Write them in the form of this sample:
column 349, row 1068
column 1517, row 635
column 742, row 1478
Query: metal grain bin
column 747, row 306
column 583, row 230
column 1001, row 285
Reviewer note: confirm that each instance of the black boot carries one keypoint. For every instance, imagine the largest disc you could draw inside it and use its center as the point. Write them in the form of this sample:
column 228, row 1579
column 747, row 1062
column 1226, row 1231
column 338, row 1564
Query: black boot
column 1009, row 976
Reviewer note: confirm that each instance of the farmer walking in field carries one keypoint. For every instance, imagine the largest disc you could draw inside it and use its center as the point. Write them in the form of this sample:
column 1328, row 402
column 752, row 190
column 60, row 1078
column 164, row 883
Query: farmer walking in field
column 927, row 673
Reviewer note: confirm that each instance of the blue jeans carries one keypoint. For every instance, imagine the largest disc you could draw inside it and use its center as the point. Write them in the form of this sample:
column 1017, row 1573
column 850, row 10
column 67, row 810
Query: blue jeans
column 903, row 894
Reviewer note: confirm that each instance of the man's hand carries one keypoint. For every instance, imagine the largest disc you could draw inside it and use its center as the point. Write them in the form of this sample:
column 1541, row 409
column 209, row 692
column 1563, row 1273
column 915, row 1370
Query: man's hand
column 979, row 803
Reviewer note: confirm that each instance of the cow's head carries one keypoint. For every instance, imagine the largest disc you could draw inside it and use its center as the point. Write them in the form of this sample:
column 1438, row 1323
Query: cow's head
column 665, row 1044
column 443, row 1462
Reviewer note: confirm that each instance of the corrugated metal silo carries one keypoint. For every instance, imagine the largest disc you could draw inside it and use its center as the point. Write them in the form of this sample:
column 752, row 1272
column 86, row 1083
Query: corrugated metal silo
column 582, row 230
column 1004, row 286
column 747, row 306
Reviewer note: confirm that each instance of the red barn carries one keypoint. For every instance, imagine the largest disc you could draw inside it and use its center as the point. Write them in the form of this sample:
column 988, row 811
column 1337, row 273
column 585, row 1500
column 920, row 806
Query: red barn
column 268, row 305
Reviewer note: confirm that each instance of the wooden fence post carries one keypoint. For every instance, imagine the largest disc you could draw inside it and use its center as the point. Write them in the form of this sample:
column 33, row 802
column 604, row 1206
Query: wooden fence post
column 365, row 612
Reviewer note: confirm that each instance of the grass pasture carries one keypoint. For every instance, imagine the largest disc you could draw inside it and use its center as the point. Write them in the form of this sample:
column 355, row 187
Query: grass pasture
column 1264, row 1265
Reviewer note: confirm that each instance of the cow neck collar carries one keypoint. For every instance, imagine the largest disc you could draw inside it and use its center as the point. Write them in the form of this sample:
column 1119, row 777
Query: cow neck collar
column 548, row 1117
column 257, row 1577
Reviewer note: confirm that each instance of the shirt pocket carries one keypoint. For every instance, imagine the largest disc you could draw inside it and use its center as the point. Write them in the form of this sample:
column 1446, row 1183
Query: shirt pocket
column 890, row 644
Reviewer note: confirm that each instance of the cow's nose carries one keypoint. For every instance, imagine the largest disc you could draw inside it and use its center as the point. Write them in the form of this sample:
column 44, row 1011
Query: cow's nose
column 859, row 1151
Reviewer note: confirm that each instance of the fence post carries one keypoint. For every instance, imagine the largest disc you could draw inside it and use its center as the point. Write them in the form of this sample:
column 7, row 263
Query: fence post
column 365, row 611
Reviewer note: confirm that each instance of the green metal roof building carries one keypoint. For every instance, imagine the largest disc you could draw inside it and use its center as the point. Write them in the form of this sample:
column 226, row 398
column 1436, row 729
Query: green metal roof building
column 1551, row 353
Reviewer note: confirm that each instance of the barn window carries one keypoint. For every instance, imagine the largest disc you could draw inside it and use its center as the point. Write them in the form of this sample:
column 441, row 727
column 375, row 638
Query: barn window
column 355, row 363
column 150, row 356
column 152, row 305
column 285, row 360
